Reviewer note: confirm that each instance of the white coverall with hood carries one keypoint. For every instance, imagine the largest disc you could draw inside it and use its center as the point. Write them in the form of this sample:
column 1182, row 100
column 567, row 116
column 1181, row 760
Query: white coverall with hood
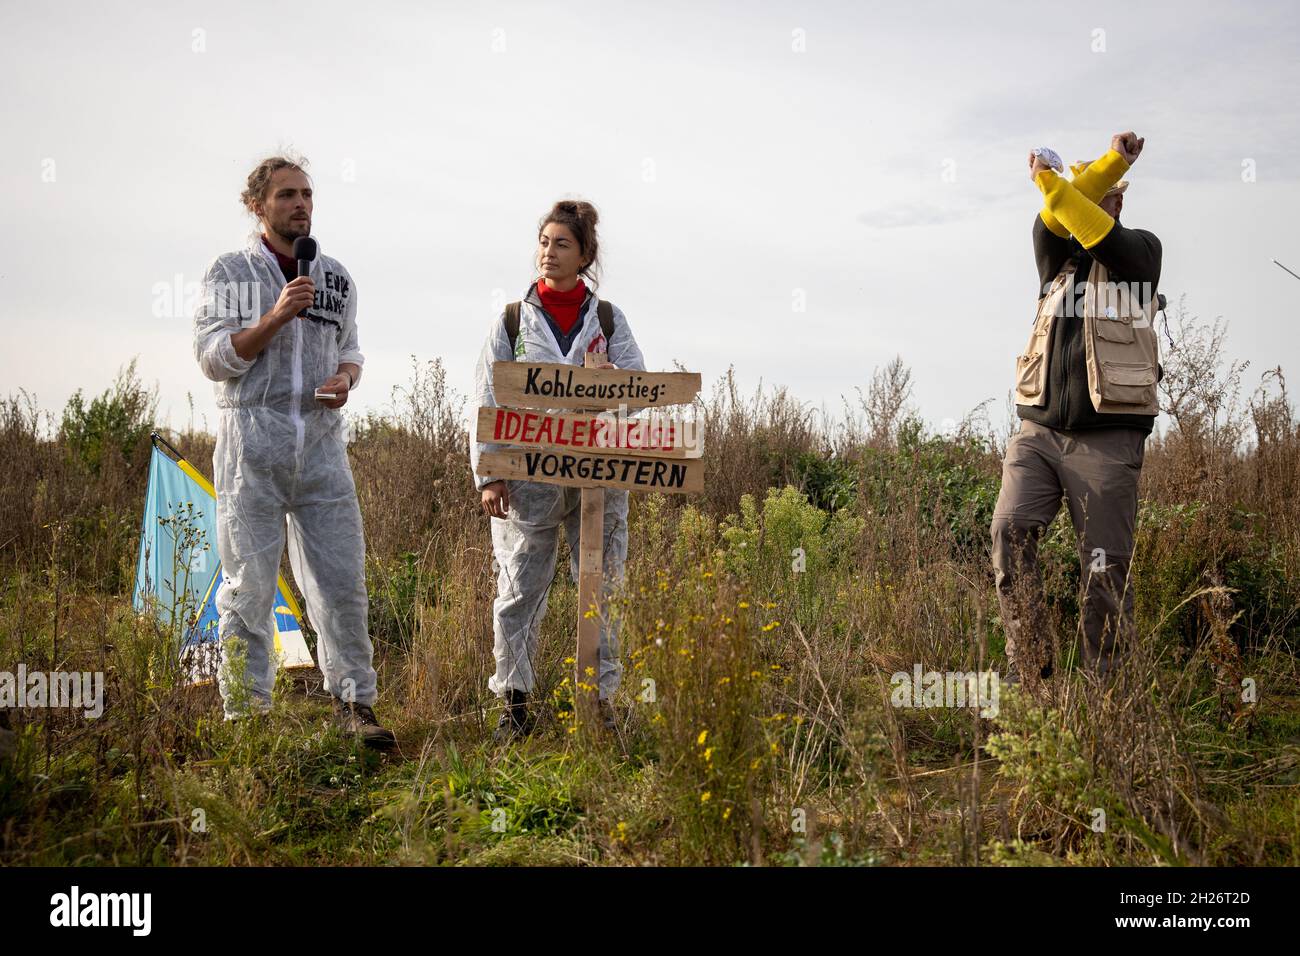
column 525, row 544
column 281, row 454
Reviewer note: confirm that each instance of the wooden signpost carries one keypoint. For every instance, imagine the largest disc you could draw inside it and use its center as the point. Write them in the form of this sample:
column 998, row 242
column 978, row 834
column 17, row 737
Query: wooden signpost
column 595, row 449
column 547, row 385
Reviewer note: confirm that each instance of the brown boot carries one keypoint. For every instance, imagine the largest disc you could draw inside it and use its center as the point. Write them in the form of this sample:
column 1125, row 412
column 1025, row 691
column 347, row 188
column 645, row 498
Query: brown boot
column 359, row 719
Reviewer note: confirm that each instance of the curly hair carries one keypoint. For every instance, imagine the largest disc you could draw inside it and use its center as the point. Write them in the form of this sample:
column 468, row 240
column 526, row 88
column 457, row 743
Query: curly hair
column 259, row 180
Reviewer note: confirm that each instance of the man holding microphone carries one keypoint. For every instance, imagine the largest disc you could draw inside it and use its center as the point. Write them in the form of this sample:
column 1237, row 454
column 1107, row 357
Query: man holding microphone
column 280, row 462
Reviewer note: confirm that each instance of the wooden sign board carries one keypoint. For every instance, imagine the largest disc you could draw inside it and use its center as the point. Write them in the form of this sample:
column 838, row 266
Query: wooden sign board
column 557, row 385
column 652, row 436
column 585, row 470
column 593, row 453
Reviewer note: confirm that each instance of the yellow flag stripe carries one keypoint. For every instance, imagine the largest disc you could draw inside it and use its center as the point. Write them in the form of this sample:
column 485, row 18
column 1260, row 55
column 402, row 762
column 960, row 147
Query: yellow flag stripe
column 206, row 485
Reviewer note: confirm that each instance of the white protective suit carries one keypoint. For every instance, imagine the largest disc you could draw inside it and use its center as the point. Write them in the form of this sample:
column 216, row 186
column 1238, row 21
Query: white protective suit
column 525, row 544
column 280, row 453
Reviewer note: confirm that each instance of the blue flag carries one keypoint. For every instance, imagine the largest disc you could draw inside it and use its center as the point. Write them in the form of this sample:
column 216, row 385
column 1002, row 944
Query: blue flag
column 178, row 572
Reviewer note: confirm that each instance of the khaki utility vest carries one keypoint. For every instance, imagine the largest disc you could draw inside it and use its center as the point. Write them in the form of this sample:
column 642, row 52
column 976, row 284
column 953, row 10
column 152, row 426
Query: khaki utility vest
column 1120, row 339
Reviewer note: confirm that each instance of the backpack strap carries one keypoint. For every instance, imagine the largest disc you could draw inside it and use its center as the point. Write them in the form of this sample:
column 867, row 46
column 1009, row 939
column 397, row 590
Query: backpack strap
column 512, row 323
column 604, row 312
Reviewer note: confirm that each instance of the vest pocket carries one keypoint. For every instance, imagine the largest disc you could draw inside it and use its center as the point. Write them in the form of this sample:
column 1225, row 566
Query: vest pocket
column 1114, row 330
column 1128, row 383
column 1029, row 374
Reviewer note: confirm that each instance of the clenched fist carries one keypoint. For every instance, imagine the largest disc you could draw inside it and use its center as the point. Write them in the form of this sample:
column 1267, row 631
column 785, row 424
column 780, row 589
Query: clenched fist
column 1128, row 145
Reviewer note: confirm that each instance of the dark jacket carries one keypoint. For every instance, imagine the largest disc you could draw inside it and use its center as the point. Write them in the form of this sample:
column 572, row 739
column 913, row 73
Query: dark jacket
column 1130, row 255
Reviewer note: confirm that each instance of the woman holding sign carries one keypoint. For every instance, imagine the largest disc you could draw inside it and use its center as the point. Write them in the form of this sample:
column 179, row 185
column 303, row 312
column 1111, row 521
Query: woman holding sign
column 559, row 320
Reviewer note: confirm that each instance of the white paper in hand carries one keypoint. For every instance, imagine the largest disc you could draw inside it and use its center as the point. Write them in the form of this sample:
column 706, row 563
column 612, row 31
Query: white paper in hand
column 1050, row 157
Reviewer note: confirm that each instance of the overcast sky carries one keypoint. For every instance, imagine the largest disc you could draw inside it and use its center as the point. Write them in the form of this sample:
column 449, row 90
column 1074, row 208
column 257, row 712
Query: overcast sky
column 865, row 161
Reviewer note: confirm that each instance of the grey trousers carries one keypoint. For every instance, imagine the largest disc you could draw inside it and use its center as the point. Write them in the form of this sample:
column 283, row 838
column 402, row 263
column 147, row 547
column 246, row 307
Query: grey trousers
column 524, row 545
column 1096, row 470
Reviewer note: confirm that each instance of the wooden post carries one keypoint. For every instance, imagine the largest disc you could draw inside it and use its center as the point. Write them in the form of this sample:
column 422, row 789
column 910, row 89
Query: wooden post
column 591, row 554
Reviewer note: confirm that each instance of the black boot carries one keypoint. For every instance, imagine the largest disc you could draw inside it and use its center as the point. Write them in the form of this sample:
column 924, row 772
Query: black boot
column 515, row 720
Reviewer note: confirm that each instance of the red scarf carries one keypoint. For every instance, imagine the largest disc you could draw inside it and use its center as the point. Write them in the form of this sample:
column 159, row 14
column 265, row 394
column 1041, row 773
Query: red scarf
column 563, row 307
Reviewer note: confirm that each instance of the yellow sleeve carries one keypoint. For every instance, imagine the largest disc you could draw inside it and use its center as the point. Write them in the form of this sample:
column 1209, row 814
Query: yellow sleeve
column 1093, row 182
column 1080, row 216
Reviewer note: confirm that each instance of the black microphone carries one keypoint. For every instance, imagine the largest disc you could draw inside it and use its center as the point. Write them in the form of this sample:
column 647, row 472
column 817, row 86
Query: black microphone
column 304, row 250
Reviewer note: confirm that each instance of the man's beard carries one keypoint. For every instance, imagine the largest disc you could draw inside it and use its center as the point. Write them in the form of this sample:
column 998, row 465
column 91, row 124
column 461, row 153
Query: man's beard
column 291, row 230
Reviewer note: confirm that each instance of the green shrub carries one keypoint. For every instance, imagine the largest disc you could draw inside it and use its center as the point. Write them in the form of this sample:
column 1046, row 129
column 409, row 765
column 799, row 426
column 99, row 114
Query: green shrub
column 945, row 482
column 116, row 422
column 831, row 483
